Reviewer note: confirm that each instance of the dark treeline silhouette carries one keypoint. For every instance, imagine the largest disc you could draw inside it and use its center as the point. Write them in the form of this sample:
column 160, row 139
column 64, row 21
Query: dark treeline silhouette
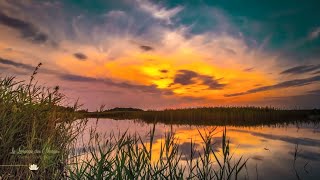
column 123, row 109
column 242, row 116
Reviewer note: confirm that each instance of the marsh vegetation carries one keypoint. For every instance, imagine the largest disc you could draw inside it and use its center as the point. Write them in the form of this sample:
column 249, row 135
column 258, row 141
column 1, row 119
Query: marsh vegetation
column 125, row 156
column 236, row 116
column 35, row 128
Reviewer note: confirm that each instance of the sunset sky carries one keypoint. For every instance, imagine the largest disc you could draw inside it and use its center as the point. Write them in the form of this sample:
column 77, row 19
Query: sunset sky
column 167, row 53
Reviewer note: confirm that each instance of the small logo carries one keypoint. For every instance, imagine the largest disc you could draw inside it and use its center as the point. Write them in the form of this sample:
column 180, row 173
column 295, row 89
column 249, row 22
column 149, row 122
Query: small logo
column 33, row 167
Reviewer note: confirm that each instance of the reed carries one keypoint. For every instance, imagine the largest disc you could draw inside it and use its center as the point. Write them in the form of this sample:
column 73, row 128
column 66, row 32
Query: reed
column 236, row 116
column 130, row 157
column 34, row 129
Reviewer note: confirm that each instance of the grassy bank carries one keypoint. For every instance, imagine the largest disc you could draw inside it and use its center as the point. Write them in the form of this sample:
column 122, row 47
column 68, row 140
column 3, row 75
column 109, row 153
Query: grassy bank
column 237, row 116
column 34, row 129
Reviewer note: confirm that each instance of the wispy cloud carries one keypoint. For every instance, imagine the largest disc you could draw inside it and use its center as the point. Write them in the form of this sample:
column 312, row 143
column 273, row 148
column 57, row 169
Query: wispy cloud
column 248, row 69
column 85, row 79
column 285, row 84
column 115, row 13
column 16, row 64
column 317, row 72
column 301, row 69
column 28, row 67
column 143, row 88
column 26, row 29
column 314, row 92
column 158, row 11
column 314, row 34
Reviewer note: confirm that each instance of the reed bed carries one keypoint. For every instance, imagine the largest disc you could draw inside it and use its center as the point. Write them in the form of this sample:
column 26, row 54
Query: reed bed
column 130, row 157
column 235, row 116
column 34, row 129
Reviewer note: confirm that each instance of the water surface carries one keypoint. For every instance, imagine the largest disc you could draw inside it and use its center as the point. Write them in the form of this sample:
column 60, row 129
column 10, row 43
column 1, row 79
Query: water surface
column 270, row 149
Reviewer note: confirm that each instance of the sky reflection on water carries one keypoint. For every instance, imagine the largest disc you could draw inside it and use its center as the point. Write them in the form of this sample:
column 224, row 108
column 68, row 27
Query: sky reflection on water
column 270, row 149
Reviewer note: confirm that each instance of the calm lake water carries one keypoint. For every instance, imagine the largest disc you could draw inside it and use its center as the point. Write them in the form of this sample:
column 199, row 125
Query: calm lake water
column 270, row 149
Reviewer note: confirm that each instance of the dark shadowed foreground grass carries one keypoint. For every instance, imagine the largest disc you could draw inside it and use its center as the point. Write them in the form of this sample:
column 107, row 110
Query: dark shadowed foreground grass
column 130, row 157
column 34, row 129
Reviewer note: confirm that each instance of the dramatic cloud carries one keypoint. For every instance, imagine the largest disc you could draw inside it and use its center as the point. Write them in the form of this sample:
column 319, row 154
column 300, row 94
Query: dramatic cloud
column 77, row 78
column 179, row 57
column 146, row 48
column 286, row 84
column 26, row 29
column 80, row 56
column 187, row 77
column 211, row 82
column 16, row 64
column 301, row 69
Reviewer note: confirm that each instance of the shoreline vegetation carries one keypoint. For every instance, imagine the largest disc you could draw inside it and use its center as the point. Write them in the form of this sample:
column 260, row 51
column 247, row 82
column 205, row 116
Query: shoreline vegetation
column 39, row 138
column 33, row 121
column 234, row 116
column 126, row 156
column 36, row 132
